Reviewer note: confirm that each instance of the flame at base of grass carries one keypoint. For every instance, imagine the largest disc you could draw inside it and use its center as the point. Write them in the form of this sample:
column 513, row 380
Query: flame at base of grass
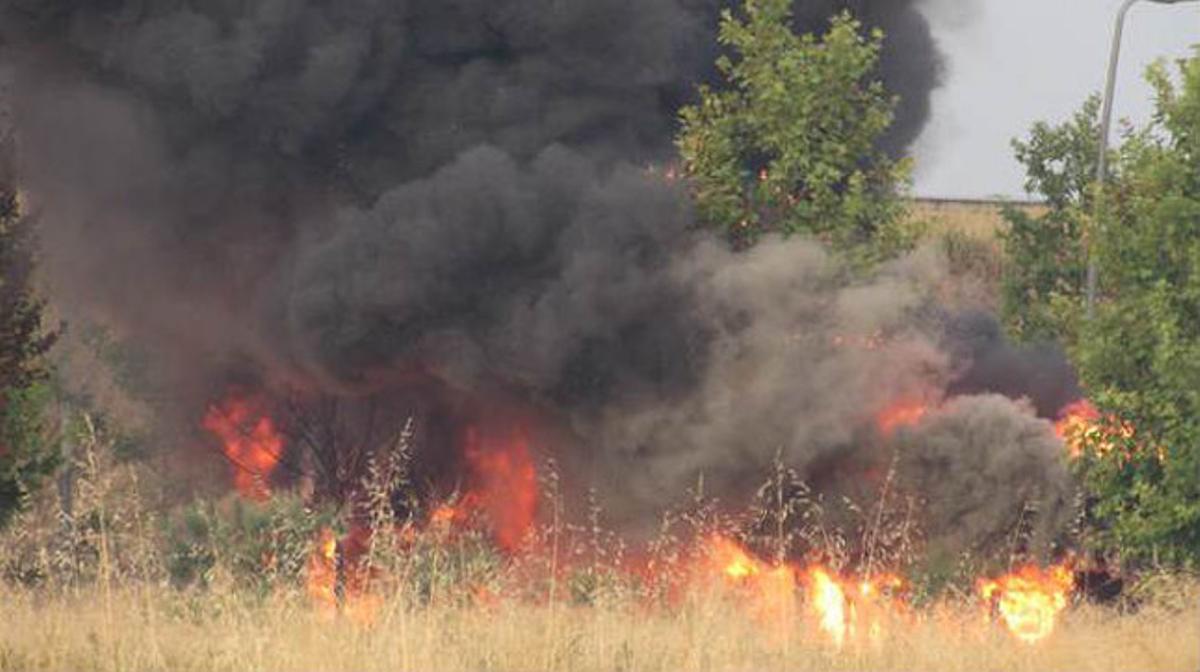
column 321, row 574
column 843, row 610
column 1029, row 600
column 828, row 601
column 336, row 580
column 769, row 590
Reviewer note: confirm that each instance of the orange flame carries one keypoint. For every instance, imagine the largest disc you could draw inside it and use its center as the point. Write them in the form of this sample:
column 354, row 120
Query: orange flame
column 335, row 564
column 770, row 590
column 1080, row 424
column 1077, row 423
column 828, row 600
column 901, row 414
column 878, row 597
column 320, row 576
column 504, row 487
column 251, row 444
column 842, row 609
column 1029, row 600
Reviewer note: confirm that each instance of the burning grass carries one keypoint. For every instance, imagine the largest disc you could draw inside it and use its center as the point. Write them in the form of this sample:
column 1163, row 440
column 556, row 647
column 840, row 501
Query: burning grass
column 260, row 581
column 447, row 598
column 150, row 628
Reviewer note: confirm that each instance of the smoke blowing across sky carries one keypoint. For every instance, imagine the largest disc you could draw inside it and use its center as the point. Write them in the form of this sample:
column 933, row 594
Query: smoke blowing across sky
column 374, row 199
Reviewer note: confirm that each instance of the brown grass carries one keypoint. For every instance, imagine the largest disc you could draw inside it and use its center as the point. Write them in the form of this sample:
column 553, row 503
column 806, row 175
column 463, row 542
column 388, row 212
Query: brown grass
column 152, row 628
column 101, row 599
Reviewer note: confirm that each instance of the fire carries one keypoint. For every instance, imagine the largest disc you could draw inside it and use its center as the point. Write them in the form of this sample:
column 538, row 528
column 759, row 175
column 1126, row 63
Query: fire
column 902, row 414
column 250, row 442
column 843, row 610
column 734, row 562
column 502, row 493
column 504, row 487
column 338, row 581
column 847, row 610
column 828, row 600
column 1081, row 425
column 769, row 589
column 320, row 576
column 451, row 515
column 1029, row 600
column 1077, row 423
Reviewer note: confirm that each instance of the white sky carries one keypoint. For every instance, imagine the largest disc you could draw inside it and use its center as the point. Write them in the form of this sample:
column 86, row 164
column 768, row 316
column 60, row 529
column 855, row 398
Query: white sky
column 1014, row 62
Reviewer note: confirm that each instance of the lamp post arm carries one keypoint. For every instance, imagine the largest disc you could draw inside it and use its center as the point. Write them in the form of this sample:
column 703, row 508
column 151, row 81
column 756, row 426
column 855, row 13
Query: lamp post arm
column 1110, row 89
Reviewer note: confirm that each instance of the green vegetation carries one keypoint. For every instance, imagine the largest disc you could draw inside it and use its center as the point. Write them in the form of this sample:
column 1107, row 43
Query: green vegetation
column 26, row 458
column 1139, row 358
column 1047, row 260
column 790, row 142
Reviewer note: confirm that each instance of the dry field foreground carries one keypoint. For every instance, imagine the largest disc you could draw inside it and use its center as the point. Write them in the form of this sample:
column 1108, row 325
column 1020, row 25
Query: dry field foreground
column 157, row 629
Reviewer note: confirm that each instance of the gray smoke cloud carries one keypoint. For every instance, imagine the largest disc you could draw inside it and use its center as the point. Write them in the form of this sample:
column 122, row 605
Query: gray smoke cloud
column 985, row 466
column 807, row 363
column 383, row 198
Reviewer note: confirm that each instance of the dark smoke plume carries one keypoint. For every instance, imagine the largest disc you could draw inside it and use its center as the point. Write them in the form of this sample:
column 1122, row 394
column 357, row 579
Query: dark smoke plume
column 981, row 463
column 274, row 140
column 448, row 200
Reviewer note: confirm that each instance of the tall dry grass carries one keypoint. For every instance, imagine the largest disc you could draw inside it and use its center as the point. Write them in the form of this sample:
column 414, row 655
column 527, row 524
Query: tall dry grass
column 95, row 591
column 151, row 628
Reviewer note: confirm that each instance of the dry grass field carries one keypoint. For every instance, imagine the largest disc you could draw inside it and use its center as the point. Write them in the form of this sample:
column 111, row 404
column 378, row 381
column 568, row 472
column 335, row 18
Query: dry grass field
column 115, row 594
column 981, row 219
column 157, row 629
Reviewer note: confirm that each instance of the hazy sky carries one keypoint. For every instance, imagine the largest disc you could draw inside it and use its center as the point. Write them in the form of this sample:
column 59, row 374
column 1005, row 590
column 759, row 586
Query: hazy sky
column 1013, row 62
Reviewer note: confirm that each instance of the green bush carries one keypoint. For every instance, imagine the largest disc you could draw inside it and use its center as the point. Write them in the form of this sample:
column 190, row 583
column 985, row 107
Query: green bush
column 27, row 453
column 260, row 545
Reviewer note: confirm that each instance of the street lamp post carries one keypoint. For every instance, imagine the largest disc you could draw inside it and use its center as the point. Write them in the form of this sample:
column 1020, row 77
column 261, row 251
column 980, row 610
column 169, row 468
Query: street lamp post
column 1110, row 88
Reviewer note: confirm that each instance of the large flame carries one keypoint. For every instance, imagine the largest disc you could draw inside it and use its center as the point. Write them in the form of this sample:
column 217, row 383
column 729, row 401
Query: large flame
column 843, row 610
column 250, row 442
column 502, row 493
column 503, row 487
column 1029, row 600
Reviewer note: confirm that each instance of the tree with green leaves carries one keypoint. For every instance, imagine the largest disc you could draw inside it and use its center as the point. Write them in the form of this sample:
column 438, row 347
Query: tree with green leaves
column 1047, row 267
column 790, row 140
column 26, row 458
column 1140, row 355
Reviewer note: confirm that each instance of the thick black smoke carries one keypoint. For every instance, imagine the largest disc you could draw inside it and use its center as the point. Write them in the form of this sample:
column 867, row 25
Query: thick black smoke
column 356, row 198
column 274, row 140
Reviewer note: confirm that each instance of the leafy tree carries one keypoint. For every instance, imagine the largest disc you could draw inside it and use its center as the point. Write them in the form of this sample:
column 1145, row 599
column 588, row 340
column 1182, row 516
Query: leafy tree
column 1140, row 356
column 789, row 142
column 25, row 457
column 1046, row 274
